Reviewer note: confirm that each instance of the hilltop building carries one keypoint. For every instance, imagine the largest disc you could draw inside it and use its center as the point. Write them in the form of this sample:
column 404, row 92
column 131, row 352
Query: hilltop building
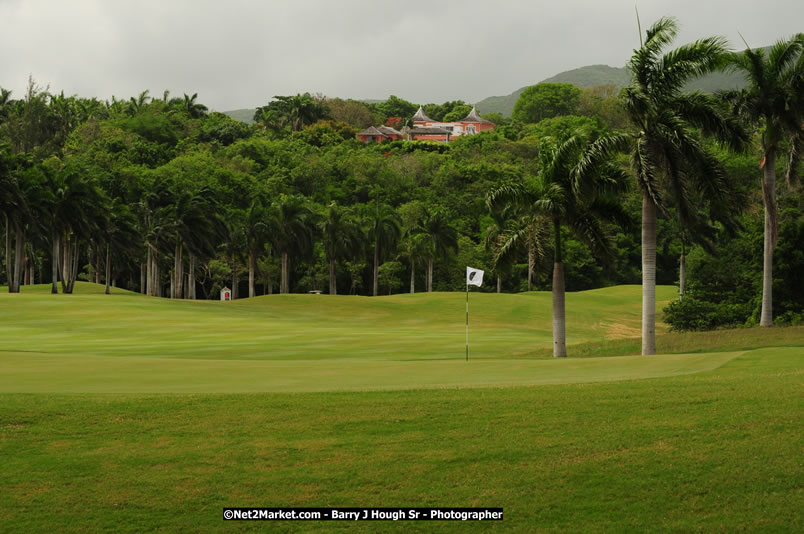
column 378, row 134
column 426, row 129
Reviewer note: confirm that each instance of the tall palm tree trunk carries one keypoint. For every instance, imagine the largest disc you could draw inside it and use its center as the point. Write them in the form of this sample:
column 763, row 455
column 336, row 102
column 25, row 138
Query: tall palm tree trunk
column 412, row 276
column 97, row 265
column 333, row 286
column 73, row 268
column 376, row 273
column 151, row 274
column 54, row 266
column 284, row 285
column 74, row 272
column 648, row 276
column 28, row 278
column 154, row 286
column 142, row 278
column 33, row 266
column 499, row 284
column 157, row 276
column 65, row 262
column 531, row 263
column 252, row 268
column 148, row 286
column 769, row 196
column 108, row 266
column 8, row 255
column 559, row 314
column 191, row 277
column 430, row 275
column 19, row 255
column 178, row 275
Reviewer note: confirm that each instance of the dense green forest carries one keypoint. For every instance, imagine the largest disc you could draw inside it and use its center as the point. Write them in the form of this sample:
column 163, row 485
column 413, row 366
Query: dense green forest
column 155, row 194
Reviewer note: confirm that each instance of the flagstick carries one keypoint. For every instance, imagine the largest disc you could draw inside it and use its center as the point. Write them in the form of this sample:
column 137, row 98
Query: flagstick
column 467, row 319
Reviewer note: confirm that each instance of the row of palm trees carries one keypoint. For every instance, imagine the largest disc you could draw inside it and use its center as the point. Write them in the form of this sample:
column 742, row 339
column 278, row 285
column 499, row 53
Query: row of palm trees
column 674, row 170
column 62, row 208
column 56, row 207
column 290, row 226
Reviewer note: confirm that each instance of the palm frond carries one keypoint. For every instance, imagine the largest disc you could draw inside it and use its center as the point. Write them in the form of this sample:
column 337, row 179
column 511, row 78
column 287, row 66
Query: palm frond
column 645, row 172
column 688, row 62
column 708, row 114
column 589, row 228
column 511, row 193
column 509, row 245
column 782, row 56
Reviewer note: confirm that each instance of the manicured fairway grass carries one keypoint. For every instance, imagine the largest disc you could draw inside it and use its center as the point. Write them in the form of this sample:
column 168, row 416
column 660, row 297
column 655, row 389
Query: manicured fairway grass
column 716, row 451
column 131, row 414
column 422, row 326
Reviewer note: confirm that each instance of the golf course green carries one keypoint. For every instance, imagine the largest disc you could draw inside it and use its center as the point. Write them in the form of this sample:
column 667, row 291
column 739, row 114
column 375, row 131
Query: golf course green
column 129, row 413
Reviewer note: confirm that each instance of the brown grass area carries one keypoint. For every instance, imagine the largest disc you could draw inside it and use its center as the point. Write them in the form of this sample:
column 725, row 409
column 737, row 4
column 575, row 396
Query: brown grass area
column 620, row 330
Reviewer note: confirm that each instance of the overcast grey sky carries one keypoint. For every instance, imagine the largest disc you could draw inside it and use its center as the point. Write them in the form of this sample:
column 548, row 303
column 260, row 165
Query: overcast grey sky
column 239, row 53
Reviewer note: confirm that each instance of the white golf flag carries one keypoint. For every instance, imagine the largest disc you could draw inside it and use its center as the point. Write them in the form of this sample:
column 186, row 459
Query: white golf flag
column 474, row 277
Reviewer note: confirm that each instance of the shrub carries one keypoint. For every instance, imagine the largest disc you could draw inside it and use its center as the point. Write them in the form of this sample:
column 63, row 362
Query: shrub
column 789, row 318
column 694, row 314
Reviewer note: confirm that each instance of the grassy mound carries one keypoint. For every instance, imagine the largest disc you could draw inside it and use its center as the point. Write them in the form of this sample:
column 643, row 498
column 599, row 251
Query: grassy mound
column 400, row 327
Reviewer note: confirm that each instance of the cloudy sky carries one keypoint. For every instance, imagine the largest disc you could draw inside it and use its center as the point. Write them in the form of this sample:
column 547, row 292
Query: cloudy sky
column 239, row 53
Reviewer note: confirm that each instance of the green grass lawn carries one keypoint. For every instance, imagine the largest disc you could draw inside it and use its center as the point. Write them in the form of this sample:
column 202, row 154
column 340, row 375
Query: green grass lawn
column 297, row 327
column 132, row 414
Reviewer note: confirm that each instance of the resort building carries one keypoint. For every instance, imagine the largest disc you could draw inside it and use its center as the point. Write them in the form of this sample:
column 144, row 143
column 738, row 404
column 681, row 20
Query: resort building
column 426, row 129
column 378, row 134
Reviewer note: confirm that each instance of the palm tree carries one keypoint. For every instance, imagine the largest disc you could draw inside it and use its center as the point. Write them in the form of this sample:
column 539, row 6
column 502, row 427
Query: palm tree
column 440, row 238
column 12, row 203
column 193, row 224
column 294, row 111
column 120, row 235
column 500, row 219
column 255, row 229
column 291, row 227
column 77, row 213
column 573, row 189
column 342, row 238
column 414, row 247
column 772, row 100
column 135, row 105
column 5, row 101
column 193, row 108
column 384, row 231
column 235, row 246
column 666, row 155
column 530, row 232
column 155, row 229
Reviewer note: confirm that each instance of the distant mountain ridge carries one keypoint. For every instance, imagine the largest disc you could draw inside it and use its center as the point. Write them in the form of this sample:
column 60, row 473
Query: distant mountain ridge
column 242, row 115
column 594, row 75
column 588, row 76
